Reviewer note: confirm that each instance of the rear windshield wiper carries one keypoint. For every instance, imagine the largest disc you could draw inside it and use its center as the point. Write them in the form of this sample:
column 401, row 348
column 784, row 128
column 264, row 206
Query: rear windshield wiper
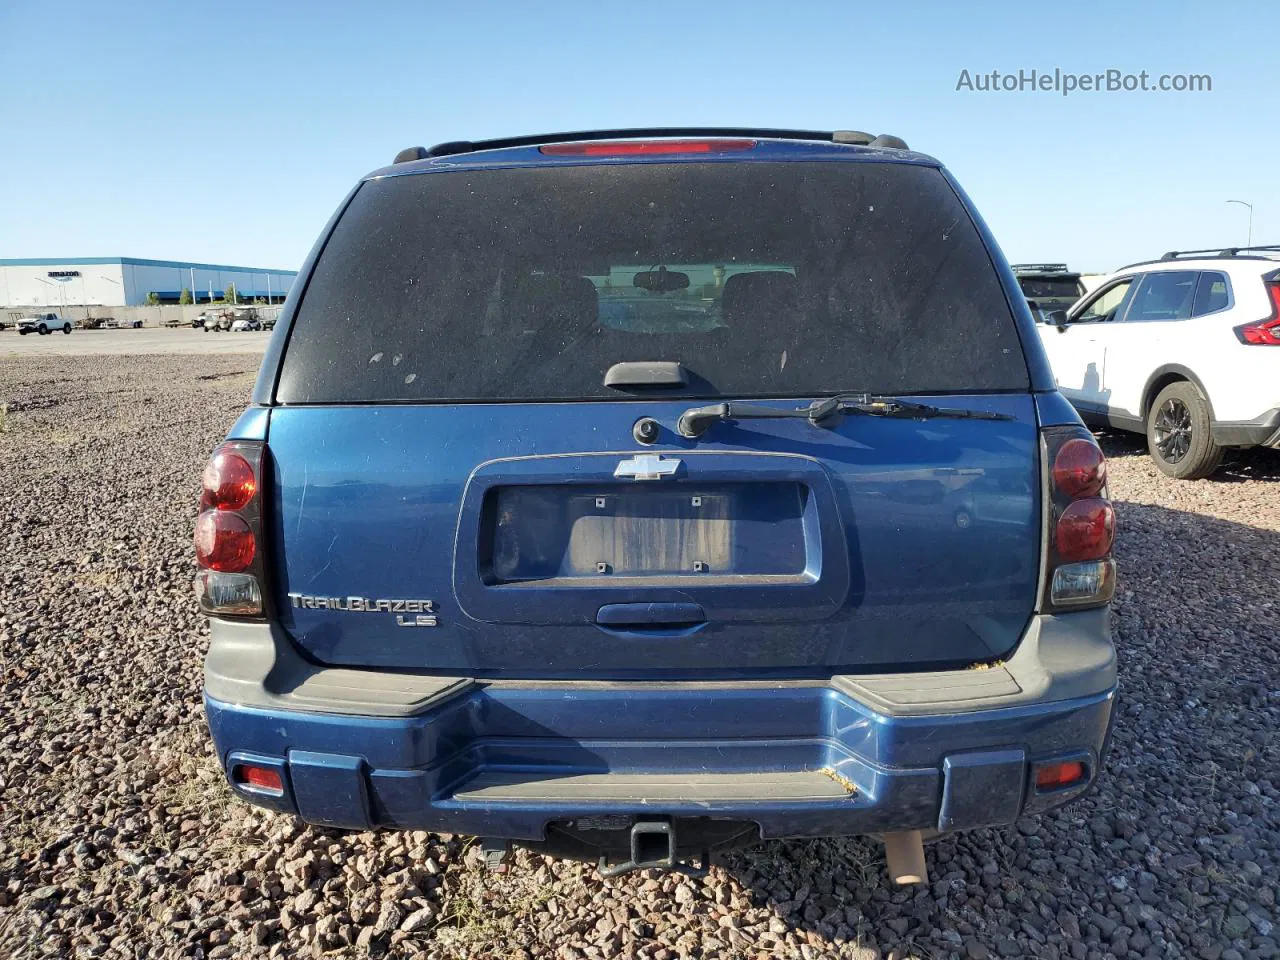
column 695, row 421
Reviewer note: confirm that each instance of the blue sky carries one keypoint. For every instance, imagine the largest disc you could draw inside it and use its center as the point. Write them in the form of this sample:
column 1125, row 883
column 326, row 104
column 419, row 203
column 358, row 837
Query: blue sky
column 228, row 132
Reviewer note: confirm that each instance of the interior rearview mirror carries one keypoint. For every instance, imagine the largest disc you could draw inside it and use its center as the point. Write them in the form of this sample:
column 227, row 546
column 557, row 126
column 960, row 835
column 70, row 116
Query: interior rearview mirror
column 661, row 280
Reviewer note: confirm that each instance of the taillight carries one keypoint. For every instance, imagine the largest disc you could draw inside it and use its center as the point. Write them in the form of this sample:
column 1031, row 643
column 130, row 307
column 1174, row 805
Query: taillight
column 1079, row 571
column 1079, row 468
column 634, row 148
column 228, row 532
column 1264, row 333
column 1086, row 530
column 229, row 483
column 224, row 542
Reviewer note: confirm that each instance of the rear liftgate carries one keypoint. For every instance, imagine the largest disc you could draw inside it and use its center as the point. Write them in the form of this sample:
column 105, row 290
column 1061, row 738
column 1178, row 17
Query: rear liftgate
column 590, row 538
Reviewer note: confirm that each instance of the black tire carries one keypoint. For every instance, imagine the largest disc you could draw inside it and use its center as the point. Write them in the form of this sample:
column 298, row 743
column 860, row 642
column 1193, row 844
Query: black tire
column 1179, row 433
column 66, row 328
column 23, row 333
column 43, row 330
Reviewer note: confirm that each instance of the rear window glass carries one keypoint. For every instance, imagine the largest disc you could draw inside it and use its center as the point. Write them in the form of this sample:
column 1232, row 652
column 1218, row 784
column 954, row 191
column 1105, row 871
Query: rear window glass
column 1062, row 288
column 762, row 279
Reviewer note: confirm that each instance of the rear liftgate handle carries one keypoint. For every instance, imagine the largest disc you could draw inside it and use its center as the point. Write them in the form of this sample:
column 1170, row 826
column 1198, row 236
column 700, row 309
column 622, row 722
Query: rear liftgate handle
column 650, row 616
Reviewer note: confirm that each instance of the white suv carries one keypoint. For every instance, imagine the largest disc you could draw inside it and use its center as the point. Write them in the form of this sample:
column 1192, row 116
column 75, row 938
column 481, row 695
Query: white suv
column 1185, row 349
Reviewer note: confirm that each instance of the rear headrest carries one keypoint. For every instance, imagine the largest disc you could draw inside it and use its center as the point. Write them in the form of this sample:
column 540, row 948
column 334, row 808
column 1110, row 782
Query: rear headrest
column 553, row 298
column 762, row 292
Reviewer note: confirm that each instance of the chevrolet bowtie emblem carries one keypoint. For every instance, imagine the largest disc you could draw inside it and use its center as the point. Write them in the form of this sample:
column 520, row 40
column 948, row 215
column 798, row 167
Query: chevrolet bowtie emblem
column 647, row 466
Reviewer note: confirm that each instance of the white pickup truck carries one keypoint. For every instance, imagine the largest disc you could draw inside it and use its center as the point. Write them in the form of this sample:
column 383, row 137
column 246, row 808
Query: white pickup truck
column 43, row 323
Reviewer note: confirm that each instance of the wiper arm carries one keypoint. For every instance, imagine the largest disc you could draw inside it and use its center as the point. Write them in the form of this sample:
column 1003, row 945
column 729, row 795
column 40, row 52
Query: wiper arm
column 695, row 421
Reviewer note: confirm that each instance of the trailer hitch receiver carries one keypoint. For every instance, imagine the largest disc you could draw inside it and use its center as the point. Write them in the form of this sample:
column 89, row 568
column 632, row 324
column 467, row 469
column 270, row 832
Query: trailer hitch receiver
column 653, row 847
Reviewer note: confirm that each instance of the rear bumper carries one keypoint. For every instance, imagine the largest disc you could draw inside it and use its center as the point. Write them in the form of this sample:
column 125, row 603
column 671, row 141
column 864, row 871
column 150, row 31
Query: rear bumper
column 1263, row 431
column 503, row 759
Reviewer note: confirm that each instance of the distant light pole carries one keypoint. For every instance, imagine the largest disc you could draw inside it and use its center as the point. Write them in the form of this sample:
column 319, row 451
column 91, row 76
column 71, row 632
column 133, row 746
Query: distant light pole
column 1249, row 241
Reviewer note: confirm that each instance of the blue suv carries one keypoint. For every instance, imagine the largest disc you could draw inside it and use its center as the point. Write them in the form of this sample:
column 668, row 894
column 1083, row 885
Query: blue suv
column 634, row 495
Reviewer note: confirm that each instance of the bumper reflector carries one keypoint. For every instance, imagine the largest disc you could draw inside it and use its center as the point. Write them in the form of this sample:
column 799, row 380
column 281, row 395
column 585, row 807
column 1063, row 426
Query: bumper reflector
column 258, row 779
column 228, row 593
column 1054, row 776
column 1090, row 581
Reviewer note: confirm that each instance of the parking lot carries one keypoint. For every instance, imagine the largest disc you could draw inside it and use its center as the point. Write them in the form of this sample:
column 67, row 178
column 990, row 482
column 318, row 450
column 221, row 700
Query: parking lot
column 146, row 341
column 118, row 836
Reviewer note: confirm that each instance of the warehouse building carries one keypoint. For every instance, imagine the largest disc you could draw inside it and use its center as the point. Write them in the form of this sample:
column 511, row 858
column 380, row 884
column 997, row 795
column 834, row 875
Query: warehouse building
column 129, row 282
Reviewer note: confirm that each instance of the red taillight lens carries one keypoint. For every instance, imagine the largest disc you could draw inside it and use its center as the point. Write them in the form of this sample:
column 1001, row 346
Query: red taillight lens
column 1265, row 333
column 258, row 778
column 1053, row 776
column 1080, row 522
column 633, row 148
column 1080, row 469
column 1086, row 530
column 224, row 542
column 229, row 483
column 228, row 534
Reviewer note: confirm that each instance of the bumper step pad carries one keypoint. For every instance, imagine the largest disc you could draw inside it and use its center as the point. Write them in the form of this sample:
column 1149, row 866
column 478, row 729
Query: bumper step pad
column 657, row 788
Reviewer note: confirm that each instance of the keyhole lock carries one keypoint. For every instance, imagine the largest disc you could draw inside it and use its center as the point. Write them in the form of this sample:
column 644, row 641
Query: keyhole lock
column 646, row 430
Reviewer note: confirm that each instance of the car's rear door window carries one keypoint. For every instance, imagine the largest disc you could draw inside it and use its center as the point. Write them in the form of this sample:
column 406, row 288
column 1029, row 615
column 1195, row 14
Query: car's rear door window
column 1165, row 295
column 761, row 279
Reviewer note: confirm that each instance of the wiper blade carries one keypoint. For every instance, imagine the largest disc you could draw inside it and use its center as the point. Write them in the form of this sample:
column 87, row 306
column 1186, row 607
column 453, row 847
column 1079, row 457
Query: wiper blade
column 695, row 421
column 877, row 406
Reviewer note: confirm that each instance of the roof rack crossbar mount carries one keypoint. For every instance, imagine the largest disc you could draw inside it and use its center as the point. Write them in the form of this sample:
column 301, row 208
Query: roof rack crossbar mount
column 855, row 137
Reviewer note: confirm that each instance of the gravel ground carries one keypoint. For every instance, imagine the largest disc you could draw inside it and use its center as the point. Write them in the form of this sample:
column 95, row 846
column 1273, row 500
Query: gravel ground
column 118, row 837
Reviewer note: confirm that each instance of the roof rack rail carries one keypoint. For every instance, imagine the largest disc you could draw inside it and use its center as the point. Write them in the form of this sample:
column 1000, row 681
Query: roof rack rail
column 1217, row 252
column 856, row 137
column 1209, row 253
